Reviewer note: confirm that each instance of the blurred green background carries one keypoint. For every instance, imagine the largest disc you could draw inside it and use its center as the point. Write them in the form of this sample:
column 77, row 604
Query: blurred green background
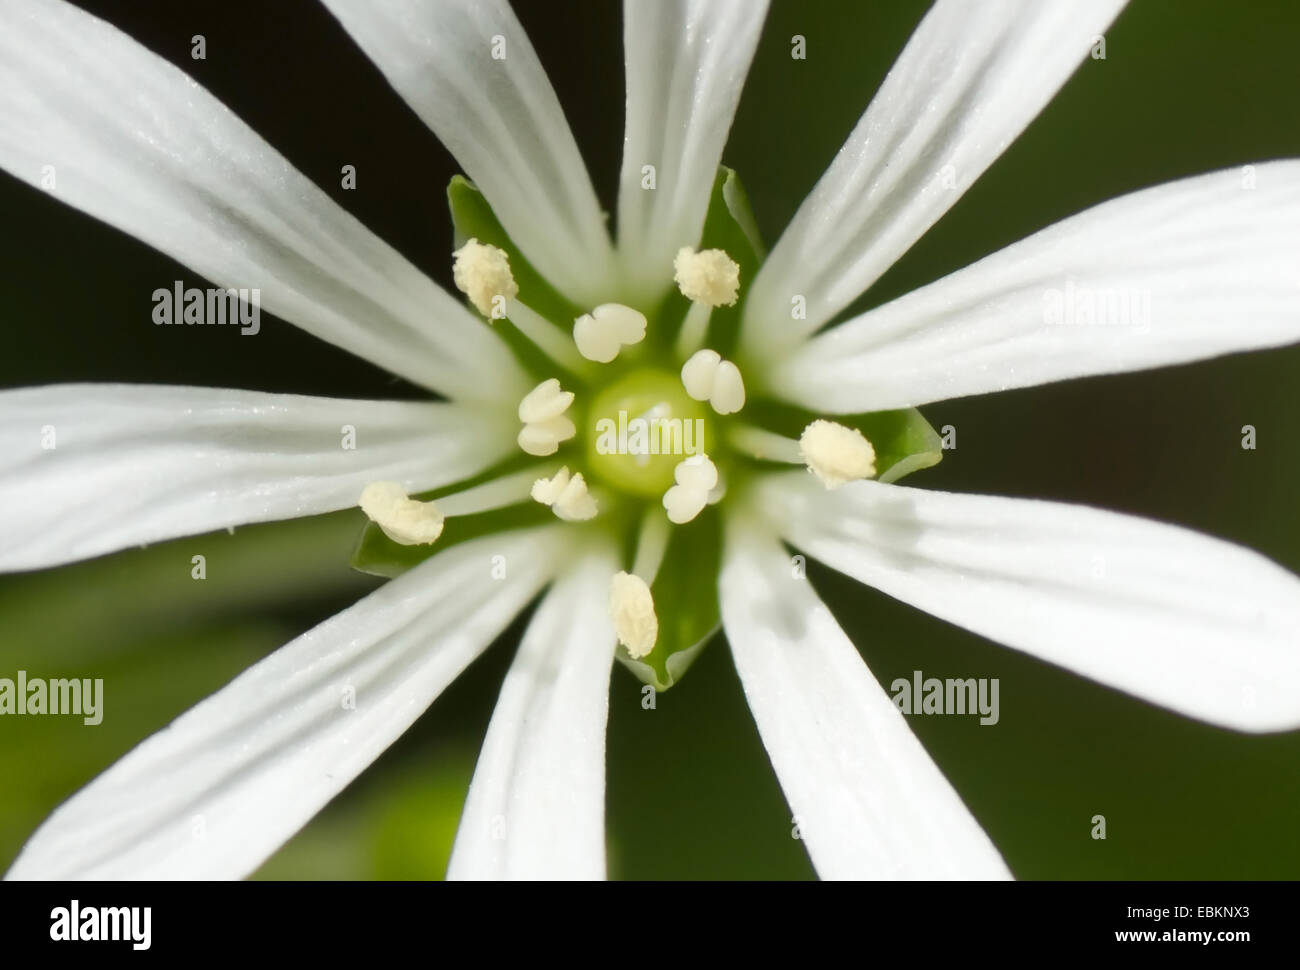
column 1187, row 86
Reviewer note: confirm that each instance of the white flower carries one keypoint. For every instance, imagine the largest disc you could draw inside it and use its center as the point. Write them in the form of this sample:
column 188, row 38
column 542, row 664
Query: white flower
column 1181, row 620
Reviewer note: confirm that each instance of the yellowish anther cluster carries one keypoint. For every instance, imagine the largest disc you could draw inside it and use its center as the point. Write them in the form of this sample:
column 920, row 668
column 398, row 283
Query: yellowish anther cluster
column 836, row 454
column 606, row 330
column 545, row 424
column 567, row 496
column 710, row 276
column 632, row 609
column 696, row 477
column 404, row 520
column 482, row 273
column 707, row 377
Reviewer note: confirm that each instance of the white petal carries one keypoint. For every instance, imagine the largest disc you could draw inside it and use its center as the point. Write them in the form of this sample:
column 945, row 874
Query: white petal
column 868, row 801
column 1201, row 626
column 968, row 83
column 133, row 141
column 132, row 464
column 214, row 794
column 536, row 806
column 1183, row 271
column 499, row 116
column 686, row 64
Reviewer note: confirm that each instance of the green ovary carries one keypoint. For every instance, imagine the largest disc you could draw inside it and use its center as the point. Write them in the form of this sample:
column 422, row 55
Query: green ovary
column 640, row 427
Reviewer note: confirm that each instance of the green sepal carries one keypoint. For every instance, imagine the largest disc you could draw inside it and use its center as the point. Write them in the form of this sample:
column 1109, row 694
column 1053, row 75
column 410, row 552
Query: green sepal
column 729, row 211
column 904, row 440
column 473, row 218
column 685, row 592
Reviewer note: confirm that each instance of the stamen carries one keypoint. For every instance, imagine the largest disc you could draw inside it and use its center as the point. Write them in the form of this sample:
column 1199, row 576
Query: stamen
column 405, row 520
column 542, row 438
column 728, row 394
column 698, row 373
column 696, row 477
column 719, row 491
column 694, row 329
column 566, row 495
column 632, row 609
column 651, row 544
column 710, row 276
column 546, row 400
column 545, row 425
column 707, row 377
column 547, row 337
column 683, row 504
column 495, row 494
column 606, row 330
column 765, row 445
column 482, row 273
column 836, row 454
column 411, row 522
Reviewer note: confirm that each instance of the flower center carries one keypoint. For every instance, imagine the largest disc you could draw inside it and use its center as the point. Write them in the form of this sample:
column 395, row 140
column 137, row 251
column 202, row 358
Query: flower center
column 638, row 437
column 640, row 427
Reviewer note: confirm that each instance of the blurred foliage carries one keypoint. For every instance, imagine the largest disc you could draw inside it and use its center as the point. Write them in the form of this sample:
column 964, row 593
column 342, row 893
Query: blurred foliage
column 1187, row 86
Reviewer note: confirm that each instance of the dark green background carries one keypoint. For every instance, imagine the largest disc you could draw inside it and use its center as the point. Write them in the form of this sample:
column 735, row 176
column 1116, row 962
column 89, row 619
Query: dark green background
column 1187, row 86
